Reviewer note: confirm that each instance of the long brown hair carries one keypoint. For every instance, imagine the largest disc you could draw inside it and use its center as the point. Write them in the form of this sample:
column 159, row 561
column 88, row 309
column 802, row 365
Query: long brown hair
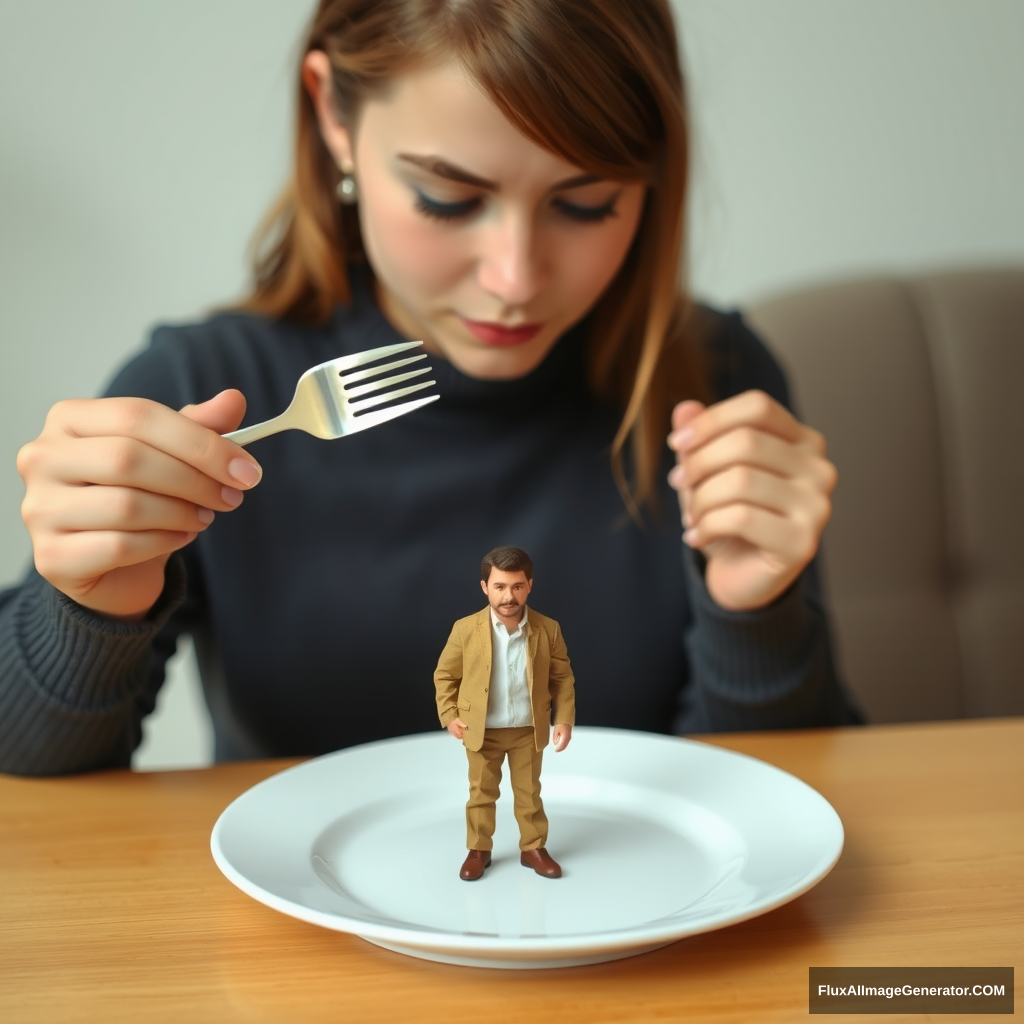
column 596, row 82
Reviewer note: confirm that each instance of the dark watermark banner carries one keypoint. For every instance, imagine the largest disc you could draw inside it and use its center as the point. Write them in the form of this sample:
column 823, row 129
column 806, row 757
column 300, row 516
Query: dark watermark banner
column 910, row 990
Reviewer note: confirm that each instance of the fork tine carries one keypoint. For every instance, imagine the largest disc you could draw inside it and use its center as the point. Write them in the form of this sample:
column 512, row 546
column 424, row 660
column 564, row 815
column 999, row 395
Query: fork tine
column 370, row 355
column 377, row 385
column 369, row 403
column 373, row 371
column 371, row 419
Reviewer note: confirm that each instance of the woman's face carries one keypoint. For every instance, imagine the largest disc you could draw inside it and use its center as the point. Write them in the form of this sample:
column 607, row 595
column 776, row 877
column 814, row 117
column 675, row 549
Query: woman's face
column 484, row 245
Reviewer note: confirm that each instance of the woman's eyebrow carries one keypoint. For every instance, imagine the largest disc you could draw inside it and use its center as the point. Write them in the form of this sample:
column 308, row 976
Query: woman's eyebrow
column 444, row 169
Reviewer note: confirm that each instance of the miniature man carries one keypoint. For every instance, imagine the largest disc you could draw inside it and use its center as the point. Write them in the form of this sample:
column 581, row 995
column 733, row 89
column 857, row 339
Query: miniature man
column 500, row 676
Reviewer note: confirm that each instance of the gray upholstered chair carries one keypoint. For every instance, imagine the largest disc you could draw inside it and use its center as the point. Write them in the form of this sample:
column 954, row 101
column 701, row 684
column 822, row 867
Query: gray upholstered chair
column 918, row 384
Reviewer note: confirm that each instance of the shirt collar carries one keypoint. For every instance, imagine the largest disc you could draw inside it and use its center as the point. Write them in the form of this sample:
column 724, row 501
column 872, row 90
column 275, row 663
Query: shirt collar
column 495, row 621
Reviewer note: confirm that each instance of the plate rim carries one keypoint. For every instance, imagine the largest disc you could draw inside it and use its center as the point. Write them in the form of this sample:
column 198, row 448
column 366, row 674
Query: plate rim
column 485, row 947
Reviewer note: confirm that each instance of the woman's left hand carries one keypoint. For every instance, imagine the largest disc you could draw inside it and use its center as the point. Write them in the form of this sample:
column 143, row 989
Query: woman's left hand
column 754, row 488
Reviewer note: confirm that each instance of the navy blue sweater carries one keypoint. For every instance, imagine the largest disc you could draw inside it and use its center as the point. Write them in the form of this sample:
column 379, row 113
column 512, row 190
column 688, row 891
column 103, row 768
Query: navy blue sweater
column 320, row 606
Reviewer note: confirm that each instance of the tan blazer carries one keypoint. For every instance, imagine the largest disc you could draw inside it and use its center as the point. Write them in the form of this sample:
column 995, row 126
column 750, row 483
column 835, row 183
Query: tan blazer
column 463, row 676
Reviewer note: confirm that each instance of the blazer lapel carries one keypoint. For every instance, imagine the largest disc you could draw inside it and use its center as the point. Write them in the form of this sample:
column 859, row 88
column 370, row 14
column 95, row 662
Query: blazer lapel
column 482, row 633
column 532, row 642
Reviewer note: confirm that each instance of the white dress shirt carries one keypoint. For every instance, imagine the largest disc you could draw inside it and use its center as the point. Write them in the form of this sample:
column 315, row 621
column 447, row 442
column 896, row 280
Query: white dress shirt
column 508, row 697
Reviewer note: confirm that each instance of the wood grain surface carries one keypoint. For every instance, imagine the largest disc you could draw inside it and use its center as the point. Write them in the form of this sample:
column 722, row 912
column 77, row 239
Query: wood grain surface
column 111, row 908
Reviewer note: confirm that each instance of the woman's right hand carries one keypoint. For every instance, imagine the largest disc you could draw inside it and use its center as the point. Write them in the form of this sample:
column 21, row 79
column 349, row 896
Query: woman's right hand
column 113, row 486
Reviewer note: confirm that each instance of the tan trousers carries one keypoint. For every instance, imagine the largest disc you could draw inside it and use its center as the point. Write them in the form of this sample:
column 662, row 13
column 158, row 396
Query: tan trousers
column 524, row 762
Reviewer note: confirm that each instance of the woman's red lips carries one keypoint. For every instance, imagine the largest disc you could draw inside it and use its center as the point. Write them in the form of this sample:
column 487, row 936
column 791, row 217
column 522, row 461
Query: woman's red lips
column 499, row 336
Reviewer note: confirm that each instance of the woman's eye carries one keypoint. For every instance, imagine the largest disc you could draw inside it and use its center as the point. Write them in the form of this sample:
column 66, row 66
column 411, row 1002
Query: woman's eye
column 444, row 211
column 437, row 210
column 587, row 214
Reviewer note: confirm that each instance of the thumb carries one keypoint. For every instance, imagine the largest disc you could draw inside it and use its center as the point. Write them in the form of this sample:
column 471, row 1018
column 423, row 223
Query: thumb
column 222, row 413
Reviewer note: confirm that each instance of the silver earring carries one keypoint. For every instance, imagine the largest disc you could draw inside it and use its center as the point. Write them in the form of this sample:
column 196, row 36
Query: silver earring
column 347, row 189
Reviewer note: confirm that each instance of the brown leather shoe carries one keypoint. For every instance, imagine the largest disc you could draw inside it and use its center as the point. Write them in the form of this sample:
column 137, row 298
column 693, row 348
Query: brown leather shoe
column 541, row 862
column 474, row 864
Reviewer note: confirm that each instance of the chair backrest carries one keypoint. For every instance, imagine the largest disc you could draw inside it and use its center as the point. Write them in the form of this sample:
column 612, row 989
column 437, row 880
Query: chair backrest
column 918, row 386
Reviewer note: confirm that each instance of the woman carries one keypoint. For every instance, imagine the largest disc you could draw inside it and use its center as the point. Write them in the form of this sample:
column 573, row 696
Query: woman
column 506, row 182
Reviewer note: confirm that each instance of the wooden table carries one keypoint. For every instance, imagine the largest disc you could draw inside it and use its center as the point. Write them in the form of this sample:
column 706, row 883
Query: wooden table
column 111, row 908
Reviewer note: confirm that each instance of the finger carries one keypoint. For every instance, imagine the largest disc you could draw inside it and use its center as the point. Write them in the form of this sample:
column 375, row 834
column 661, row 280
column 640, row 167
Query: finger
column 677, row 480
column 92, row 553
column 114, row 508
column 749, row 486
column 683, row 416
column 750, row 409
column 747, row 446
column 780, row 536
column 126, row 462
column 743, row 446
column 677, row 474
column 161, row 428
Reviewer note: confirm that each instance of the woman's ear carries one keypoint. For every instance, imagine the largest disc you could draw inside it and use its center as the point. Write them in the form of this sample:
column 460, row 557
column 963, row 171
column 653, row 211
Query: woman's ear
column 316, row 77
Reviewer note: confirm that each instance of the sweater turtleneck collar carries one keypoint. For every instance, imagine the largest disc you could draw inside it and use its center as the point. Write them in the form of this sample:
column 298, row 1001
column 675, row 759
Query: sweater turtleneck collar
column 562, row 374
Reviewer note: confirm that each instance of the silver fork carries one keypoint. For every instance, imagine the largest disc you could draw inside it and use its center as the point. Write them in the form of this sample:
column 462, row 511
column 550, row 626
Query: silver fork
column 323, row 403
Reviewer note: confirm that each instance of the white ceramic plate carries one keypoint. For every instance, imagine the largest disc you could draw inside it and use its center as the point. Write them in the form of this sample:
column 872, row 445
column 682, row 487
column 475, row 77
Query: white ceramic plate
column 658, row 838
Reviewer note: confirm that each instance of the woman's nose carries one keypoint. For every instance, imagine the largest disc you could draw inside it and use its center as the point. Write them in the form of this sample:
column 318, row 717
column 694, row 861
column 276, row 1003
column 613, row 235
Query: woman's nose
column 509, row 266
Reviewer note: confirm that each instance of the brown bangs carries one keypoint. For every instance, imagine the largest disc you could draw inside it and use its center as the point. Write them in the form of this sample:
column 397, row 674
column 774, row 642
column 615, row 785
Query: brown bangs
column 565, row 79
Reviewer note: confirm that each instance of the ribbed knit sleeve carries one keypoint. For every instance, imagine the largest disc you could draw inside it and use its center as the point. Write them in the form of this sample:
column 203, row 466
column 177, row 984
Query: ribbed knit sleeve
column 74, row 687
column 766, row 669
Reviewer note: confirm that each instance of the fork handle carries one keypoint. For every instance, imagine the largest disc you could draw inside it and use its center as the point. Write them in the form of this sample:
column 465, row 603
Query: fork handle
column 258, row 430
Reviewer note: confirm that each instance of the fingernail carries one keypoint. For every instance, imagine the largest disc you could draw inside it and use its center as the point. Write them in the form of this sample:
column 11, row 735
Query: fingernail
column 690, row 536
column 232, row 496
column 205, row 515
column 677, row 477
column 247, row 473
column 682, row 439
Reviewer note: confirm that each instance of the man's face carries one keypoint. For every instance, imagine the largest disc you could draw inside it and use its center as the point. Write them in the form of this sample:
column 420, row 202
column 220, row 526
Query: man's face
column 506, row 594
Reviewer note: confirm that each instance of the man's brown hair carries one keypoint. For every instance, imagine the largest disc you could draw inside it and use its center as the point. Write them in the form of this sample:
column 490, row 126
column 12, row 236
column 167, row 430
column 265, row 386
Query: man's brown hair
column 507, row 559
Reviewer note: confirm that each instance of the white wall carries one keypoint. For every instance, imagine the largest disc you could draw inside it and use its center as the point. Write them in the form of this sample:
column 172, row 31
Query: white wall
column 837, row 138
column 140, row 142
